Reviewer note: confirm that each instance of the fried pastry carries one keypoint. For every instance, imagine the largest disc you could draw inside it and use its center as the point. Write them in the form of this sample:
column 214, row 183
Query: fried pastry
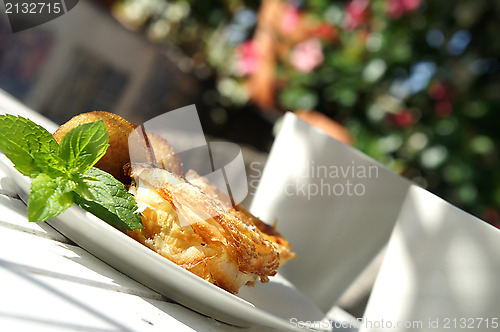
column 194, row 230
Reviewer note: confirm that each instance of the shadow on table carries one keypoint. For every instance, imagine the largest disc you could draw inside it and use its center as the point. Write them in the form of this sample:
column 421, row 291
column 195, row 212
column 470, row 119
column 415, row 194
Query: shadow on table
column 20, row 272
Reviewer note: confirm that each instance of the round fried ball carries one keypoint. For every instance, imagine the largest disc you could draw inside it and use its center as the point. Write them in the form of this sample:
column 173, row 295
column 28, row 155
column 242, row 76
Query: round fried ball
column 117, row 155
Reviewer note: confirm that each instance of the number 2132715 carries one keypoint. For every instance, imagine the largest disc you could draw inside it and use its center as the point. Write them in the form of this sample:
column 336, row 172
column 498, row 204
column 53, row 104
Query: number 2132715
column 32, row 7
column 470, row 323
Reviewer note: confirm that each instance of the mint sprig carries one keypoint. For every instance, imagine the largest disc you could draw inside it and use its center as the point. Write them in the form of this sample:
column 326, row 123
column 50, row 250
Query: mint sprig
column 63, row 174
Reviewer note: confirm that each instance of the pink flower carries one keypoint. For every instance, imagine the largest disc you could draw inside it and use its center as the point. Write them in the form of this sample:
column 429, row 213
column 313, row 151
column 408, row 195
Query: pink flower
column 289, row 20
column 247, row 57
column 307, row 55
column 356, row 13
column 404, row 118
column 396, row 8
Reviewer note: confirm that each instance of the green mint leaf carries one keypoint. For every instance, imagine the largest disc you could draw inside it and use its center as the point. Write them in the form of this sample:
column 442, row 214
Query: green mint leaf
column 21, row 139
column 102, row 195
column 84, row 145
column 51, row 164
column 49, row 197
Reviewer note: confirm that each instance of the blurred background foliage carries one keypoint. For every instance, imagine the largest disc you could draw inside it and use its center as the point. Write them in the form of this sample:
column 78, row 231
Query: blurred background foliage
column 416, row 82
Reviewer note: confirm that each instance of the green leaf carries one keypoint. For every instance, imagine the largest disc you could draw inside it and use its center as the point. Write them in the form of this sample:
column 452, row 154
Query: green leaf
column 102, row 195
column 49, row 197
column 51, row 165
column 21, row 139
column 84, row 145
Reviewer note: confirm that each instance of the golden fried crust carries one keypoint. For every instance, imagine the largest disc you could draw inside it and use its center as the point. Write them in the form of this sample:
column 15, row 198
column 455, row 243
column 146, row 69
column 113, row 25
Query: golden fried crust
column 192, row 229
column 268, row 232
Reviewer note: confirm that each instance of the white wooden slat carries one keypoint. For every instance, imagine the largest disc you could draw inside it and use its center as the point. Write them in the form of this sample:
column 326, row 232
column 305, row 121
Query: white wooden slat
column 56, row 304
column 64, row 261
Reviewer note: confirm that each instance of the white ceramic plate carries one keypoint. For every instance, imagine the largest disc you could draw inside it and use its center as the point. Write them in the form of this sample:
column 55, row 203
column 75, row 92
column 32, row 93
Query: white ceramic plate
column 272, row 304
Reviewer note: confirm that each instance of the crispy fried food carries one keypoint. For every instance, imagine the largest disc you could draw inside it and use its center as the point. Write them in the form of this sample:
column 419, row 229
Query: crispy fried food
column 118, row 156
column 269, row 233
column 194, row 230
